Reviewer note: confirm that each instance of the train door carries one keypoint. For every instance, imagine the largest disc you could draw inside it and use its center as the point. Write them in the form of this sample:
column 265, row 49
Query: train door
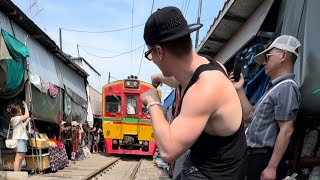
column 113, row 110
column 131, row 119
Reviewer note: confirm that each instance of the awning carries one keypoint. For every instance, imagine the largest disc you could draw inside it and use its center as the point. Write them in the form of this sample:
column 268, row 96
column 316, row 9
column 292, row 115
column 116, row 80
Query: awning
column 237, row 23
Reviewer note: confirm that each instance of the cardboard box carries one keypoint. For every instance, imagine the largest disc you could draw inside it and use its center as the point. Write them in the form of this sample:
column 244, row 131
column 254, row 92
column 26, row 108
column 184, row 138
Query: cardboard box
column 35, row 163
column 41, row 143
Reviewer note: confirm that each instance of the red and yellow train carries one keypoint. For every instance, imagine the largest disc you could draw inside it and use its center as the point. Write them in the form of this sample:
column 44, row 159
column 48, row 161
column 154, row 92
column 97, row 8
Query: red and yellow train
column 126, row 123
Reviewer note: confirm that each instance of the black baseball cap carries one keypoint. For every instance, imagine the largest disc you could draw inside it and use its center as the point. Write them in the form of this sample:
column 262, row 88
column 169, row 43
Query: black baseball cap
column 167, row 24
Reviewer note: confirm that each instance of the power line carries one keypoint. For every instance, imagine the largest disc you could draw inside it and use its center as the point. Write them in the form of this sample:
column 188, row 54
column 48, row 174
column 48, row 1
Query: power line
column 131, row 32
column 106, row 31
column 113, row 78
column 105, row 57
column 141, row 60
column 182, row 9
column 185, row 14
column 206, row 19
column 100, row 49
column 144, row 45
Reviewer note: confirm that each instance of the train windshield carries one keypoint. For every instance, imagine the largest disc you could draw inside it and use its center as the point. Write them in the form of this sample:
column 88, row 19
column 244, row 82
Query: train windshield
column 131, row 105
column 113, row 104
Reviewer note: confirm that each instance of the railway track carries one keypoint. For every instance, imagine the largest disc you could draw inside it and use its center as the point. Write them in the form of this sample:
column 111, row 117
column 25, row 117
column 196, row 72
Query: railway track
column 124, row 168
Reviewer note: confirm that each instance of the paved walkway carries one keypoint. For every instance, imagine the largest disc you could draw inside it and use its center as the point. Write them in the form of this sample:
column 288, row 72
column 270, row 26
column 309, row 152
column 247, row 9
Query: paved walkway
column 77, row 170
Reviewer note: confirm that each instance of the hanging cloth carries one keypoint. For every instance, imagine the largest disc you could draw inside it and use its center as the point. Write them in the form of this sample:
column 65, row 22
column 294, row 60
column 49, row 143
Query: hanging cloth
column 4, row 52
column 14, row 67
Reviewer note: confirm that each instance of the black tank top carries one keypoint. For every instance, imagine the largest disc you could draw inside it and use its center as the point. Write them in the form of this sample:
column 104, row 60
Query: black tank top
column 218, row 157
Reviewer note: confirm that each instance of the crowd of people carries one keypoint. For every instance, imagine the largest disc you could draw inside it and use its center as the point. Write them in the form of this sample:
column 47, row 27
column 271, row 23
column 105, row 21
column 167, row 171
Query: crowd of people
column 75, row 137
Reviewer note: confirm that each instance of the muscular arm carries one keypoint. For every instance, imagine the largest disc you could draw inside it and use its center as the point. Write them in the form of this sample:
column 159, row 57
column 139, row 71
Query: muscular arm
column 282, row 141
column 174, row 139
column 159, row 78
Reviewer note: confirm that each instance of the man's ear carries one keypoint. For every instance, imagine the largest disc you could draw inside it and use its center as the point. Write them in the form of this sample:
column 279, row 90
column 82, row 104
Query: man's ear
column 284, row 56
column 160, row 52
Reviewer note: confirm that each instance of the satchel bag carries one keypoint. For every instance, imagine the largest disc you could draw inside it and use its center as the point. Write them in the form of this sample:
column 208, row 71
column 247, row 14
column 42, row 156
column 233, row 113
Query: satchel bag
column 11, row 143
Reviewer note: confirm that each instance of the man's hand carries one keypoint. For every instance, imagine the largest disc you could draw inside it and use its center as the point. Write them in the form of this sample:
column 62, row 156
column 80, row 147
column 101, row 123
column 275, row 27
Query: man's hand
column 269, row 173
column 156, row 79
column 150, row 96
column 237, row 85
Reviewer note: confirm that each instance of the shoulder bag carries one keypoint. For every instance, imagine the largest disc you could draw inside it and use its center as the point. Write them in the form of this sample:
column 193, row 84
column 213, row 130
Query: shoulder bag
column 11, row 143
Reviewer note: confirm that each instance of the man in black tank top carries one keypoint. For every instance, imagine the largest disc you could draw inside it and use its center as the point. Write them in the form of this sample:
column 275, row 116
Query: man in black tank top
column 209, row 122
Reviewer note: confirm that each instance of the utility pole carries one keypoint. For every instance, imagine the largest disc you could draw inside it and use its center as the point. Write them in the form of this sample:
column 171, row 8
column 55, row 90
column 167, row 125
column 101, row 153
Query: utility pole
column 109, row 78
column 78, row 50
column 60, row 35
column 198, row 22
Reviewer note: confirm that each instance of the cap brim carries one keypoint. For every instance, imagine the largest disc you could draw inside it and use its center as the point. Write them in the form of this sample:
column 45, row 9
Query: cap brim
column 191, row 28
column 261, row 57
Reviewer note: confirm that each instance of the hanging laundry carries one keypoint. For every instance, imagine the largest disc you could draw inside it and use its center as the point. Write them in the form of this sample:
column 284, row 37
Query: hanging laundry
column 35, row 80
column 16, row 48
column 4, row 52
column 53, row 90
column 12, row 68
column 40, row 83
column 44, row 85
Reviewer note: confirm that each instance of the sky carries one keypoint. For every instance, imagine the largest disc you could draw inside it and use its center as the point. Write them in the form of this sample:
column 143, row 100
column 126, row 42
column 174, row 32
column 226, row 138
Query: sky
column 99, row 49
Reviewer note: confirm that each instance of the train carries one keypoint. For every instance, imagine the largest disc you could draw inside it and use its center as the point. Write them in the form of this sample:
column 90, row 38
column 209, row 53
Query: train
column 126, row 123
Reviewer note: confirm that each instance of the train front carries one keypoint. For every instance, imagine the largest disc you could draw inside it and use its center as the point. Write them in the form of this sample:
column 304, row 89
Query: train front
column 126, row 123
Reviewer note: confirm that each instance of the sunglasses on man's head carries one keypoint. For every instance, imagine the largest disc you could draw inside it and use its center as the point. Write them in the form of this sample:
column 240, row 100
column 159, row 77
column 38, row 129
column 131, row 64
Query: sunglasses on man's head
column 148, row 54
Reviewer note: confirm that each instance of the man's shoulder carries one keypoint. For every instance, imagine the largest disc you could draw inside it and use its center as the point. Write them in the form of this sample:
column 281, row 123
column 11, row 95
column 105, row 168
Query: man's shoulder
column 288, row 85
column 213, row 77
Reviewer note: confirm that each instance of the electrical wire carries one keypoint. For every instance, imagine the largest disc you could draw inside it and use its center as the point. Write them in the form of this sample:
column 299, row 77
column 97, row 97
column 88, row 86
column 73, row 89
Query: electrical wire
column 100, row 49
column 131, row 33
column 182, row 6
column 113, row 78
column 106, row 57
column 144, row 45
column 186, row 10
column 142, row 56
column 106, row 31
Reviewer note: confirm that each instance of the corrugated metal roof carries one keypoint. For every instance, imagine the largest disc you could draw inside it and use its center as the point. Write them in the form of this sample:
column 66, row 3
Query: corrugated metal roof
column 229, row 20
column 82, row 59
column 8, row 8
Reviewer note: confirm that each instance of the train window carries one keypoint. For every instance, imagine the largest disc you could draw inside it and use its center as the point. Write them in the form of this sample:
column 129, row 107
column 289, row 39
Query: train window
column 113, row 104
column 131, row 105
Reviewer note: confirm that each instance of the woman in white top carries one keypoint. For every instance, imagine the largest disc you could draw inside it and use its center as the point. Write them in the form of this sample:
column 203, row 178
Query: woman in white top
column 19, row 122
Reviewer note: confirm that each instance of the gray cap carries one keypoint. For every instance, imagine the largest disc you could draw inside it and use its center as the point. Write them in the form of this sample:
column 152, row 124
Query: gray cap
column 284, row 42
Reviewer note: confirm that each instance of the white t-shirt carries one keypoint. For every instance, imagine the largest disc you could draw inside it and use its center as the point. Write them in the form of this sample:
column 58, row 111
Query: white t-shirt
column 19, row 130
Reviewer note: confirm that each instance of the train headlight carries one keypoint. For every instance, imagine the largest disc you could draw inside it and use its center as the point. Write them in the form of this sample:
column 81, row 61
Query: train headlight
column 128, row 83
column 135, row 83
column 131, row 84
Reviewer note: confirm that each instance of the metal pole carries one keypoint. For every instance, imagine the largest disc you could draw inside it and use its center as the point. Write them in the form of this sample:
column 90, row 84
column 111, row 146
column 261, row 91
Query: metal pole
column 109, row 78
column 78, row 50
column 60, row 36
column 198, row 22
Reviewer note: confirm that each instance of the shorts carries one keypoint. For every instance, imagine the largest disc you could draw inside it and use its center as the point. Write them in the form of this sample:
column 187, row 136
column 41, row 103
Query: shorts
column 21, row 146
